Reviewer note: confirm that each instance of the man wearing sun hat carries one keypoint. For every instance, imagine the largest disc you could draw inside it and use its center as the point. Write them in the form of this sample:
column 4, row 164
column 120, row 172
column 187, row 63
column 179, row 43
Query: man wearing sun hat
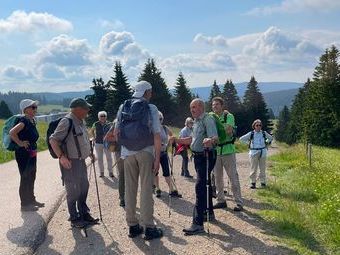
column 138, row 131
column 72, row 155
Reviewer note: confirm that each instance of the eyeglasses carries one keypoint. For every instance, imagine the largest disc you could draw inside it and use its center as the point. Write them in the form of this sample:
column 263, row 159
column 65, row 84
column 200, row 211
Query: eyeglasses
column 102, row 116
column 258, row 125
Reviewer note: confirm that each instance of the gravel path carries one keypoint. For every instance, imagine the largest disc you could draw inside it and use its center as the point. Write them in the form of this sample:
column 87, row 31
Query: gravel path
column 233, row 233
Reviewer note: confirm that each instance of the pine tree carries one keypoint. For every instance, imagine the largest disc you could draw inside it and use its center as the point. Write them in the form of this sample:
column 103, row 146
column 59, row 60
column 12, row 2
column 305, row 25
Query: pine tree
column 322, row 113
column 183, row 98
column 97, row 100
column 214, row 92
column 118, row 91
column 161, row 96
column 231, row 100
column 282, row 131
column 254, row 105
column 5, row 112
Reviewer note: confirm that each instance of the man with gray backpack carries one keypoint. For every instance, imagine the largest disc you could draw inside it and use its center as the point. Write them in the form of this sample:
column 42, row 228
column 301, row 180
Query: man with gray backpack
column 138, row 131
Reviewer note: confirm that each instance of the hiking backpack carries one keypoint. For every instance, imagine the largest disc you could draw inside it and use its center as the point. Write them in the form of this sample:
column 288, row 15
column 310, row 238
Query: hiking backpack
column 252, row 138
column 51, row 128
column 135, row 125
column 9, row 144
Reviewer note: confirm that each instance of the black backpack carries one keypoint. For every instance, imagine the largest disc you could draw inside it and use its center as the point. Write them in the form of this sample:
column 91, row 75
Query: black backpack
column 252, row 138
column 51, row 128
column 135, row 125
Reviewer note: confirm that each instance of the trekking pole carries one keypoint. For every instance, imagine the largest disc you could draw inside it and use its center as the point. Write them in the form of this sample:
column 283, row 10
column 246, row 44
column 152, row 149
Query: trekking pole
column 173, row 181
column 207, row 185
column 95, row 180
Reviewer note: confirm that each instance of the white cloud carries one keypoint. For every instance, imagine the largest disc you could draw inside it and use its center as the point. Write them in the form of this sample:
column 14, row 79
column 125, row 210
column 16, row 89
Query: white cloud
column 64, row 51
column 294, row 6
column 21, row 21
column 218, row 40
column 112, row 25
column 201, row 63
column 16, row 73
column 50, row 72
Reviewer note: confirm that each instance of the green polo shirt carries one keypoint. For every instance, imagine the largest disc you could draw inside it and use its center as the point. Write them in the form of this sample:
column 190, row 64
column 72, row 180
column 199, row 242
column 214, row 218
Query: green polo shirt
column 228, row 148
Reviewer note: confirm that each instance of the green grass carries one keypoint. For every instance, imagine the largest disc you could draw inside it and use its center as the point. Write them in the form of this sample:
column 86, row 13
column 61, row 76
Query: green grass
column 306, row 200
column 8, row 155
column 46, row 109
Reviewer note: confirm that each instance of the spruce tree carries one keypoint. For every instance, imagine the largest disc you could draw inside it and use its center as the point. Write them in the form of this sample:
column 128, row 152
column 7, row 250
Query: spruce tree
column 97, row 100
column 161, row 96
column 282, row 131
column 183, row 98
column 5, row 112
column 231, row 100
column 118, row 91
column 214, row 92
column 254, row 105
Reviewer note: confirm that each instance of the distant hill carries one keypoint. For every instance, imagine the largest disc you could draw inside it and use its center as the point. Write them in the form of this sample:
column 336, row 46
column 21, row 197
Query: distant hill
column 278, row 99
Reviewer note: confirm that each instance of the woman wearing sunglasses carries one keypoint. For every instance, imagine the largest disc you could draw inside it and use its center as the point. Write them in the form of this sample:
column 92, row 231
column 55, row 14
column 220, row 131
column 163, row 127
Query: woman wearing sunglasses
column 257, row 141
column 25, row 135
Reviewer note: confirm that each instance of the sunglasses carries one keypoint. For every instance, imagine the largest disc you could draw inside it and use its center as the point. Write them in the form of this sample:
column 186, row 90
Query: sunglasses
column 258, row 125
column 34, row 107
column 102, row 116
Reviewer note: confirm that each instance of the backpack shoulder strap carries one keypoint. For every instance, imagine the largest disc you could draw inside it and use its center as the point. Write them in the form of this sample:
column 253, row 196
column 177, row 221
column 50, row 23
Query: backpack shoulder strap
column 251, row 138
column 76, row 141
column 70, row 124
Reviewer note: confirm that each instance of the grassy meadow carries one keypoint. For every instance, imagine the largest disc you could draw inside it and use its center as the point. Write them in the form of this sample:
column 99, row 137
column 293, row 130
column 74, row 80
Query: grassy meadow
column 304, row 201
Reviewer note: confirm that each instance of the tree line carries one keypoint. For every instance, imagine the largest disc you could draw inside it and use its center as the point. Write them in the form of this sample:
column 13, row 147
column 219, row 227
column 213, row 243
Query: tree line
column 110, row 95
column 314, row 116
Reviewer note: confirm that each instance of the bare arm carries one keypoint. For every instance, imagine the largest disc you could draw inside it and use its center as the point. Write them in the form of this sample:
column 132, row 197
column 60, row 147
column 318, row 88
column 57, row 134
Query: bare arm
column 14, row 135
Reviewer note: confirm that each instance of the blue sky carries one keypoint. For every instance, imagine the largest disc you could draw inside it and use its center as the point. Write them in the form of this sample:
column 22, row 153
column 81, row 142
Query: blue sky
column 61, row 45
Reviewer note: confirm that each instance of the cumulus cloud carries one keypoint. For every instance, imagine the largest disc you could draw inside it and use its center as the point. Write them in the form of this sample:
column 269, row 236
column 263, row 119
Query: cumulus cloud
column 218, row 40
column 21, row 21
column 16, row 73
column 213, row 61
column 50, row 72
column 64, row 51
column 293, row 6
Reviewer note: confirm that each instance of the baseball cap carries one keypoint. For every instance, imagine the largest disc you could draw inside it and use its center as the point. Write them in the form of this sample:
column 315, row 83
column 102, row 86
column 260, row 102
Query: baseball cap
column 79, row 102
column 140, row 88
column 25, row 103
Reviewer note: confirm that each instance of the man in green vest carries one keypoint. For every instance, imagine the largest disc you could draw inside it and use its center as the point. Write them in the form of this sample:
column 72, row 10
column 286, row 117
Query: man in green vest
column 226, row 158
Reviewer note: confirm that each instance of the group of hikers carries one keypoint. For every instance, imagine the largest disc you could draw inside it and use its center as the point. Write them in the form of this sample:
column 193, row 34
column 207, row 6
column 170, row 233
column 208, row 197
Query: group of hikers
column 139, row 142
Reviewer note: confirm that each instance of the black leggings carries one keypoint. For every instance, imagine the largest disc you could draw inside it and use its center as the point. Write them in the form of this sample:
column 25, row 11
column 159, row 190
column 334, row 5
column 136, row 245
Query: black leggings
column 27, row 168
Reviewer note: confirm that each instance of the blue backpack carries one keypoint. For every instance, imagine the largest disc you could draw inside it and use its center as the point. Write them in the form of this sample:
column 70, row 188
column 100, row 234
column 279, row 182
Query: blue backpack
column 135, row 125
column 6, row 138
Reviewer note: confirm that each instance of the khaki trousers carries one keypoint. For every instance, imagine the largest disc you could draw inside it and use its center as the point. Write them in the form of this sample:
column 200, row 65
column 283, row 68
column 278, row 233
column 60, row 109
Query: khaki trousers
column 135, row 166
column 228, row 162
column 121, row 176
column 100, row 151
column 258, row 162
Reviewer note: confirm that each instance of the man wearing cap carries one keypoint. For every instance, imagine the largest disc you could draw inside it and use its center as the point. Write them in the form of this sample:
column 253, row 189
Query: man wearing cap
column 72, row 157
column 142, row 162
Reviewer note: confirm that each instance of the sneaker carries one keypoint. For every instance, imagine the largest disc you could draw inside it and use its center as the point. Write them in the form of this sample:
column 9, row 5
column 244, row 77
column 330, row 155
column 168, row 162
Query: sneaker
column 135, row 231
column 29, row 208
column 78, row 224
column 238, row 208
column 90, row 220
column 122, row 203
column 220, row 205
column 158, row 193
column 253, row 185
column 101, row 175
column 194, row 230
column 211, row 217
column 188, row 176
column 38, row 204
column 263, row 185
column 175, row 194
column 111, row 175
column 153, row 233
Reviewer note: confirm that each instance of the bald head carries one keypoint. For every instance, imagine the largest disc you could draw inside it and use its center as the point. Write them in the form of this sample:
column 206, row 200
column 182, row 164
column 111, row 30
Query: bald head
column 197, row 107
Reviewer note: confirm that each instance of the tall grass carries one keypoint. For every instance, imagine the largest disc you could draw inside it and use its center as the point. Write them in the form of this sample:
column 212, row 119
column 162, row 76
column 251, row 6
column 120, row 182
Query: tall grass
column 306, row 200
column 8, row 155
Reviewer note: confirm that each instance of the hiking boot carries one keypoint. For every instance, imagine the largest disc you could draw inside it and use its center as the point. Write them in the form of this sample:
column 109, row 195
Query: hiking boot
column 263, row 185
column 188, row 176
column 29, row 208
column 194, row 230
column 38, row 204
column 135, row 231
column 153, row 233
column 253, row 185
column 78, row 223
column 220, row 205
column 238, row 208
column 101, row 175
column 90, row 220
column 175, row 194
column 211, row 217
column 122, row 203
column 158, row 193
column 111, row 175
